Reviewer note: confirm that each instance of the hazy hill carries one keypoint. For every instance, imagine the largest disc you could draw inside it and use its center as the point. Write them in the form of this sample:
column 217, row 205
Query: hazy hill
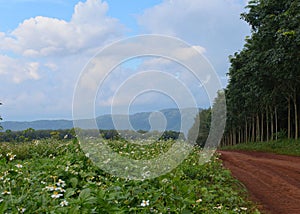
column 139, row 121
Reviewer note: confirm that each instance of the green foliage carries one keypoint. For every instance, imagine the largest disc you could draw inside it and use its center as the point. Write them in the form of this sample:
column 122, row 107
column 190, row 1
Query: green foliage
column 51, row 176
column 170, row 135
column 263, row 90
column 31, row 135
column 283, row 147
column 203, row 122
column 1, row 119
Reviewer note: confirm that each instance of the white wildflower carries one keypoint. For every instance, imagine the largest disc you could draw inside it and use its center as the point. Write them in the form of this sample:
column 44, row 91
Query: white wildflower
column 199, row 200
column 60, row 189
column 11, row 157
column 21, row 210
column 218, row 207
column 19, row 166
column 50, row 188
column 165, row 180
column 145, row 203
column 61, row 183
column 5, row 192
column 56, row 195
column 64, row 203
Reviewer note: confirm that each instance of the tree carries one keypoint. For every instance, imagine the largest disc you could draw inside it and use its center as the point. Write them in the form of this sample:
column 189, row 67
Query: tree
column 1, row 119
column 264, row 78
column 201, row 127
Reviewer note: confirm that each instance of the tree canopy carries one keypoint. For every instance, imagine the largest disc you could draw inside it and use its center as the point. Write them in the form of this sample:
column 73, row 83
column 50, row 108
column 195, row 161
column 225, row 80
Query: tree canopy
column 262, row 94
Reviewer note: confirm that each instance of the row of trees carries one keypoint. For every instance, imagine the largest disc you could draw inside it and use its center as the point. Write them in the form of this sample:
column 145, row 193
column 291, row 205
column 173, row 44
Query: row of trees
column 1, row 119
column 263, row 91
column 31, row 134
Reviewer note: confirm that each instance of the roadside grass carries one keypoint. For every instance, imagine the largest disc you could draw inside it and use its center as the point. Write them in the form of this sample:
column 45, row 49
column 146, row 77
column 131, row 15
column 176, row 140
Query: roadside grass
column 283, row 147
column 51, row 176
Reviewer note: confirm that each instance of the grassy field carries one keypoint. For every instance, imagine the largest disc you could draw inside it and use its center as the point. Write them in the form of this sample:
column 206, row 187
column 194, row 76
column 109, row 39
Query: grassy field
column 50, row 176
column 284, row 147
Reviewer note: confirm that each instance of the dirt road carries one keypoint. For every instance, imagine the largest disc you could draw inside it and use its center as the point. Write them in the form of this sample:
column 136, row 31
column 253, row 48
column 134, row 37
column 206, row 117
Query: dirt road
column 273, row 181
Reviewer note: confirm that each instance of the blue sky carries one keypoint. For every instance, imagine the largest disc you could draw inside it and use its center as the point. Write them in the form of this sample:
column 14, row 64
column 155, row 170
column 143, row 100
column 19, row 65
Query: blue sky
column 45, row 44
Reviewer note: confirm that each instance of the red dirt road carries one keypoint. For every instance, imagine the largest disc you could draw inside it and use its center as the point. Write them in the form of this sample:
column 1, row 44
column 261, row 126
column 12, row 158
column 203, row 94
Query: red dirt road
column 273, row 181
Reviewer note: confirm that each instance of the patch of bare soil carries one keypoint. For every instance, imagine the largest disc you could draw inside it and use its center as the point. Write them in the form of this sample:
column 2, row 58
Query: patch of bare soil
column 273, row 181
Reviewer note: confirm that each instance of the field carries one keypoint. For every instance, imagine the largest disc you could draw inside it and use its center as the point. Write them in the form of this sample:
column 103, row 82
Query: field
column 55, row 176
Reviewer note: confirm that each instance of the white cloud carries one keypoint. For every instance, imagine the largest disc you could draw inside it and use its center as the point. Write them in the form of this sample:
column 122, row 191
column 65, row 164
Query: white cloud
column 33, row 68
column 214, row 25
column 191, row 19
column 43, row 56
column 39, row 37
column 18, row 70
column 89, row 27
column 41, row 59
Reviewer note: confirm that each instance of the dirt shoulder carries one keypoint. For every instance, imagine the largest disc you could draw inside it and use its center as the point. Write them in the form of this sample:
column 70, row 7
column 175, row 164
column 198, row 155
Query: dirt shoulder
column 273, row 181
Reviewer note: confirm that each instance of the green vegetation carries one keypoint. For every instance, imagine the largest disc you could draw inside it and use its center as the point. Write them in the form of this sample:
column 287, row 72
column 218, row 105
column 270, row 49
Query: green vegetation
column 55, row 176
column 284, row 147
column 204, row 127
column 0, row 119
column 30, row 134
column 264, row 78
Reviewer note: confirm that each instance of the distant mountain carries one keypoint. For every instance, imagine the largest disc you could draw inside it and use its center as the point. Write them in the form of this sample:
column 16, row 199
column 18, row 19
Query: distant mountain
column 37, row 125
column 138, row 121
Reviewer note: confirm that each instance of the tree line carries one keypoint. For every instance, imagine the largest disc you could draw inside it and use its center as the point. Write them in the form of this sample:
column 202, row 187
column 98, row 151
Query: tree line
column 263, row 91
column 0, row 119
column 262, row 96
column 30, row 134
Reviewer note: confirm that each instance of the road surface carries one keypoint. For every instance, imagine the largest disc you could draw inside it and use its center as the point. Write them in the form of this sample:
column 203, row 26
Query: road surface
column 273, row 181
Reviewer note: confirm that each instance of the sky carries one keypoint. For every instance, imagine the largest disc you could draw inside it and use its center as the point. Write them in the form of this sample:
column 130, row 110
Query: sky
column 46, row 44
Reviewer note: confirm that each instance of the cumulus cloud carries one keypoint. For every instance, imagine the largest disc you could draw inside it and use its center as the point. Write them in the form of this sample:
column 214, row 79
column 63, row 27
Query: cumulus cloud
column 89, row 27
column 40, row 37
column 19, row 70
column 41, row 59
column 214, row 25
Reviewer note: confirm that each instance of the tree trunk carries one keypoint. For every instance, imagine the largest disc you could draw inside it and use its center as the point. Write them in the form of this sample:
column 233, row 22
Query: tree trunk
column 234, row 136
column 249, row 133
column 246, row 131
column 267, row 127
column 276, row 123
column 262, row 128
column 253, row 129
column 296, row 115
column 289, row 118
column 239, row 136
column 257, row 128
column 272, row 126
